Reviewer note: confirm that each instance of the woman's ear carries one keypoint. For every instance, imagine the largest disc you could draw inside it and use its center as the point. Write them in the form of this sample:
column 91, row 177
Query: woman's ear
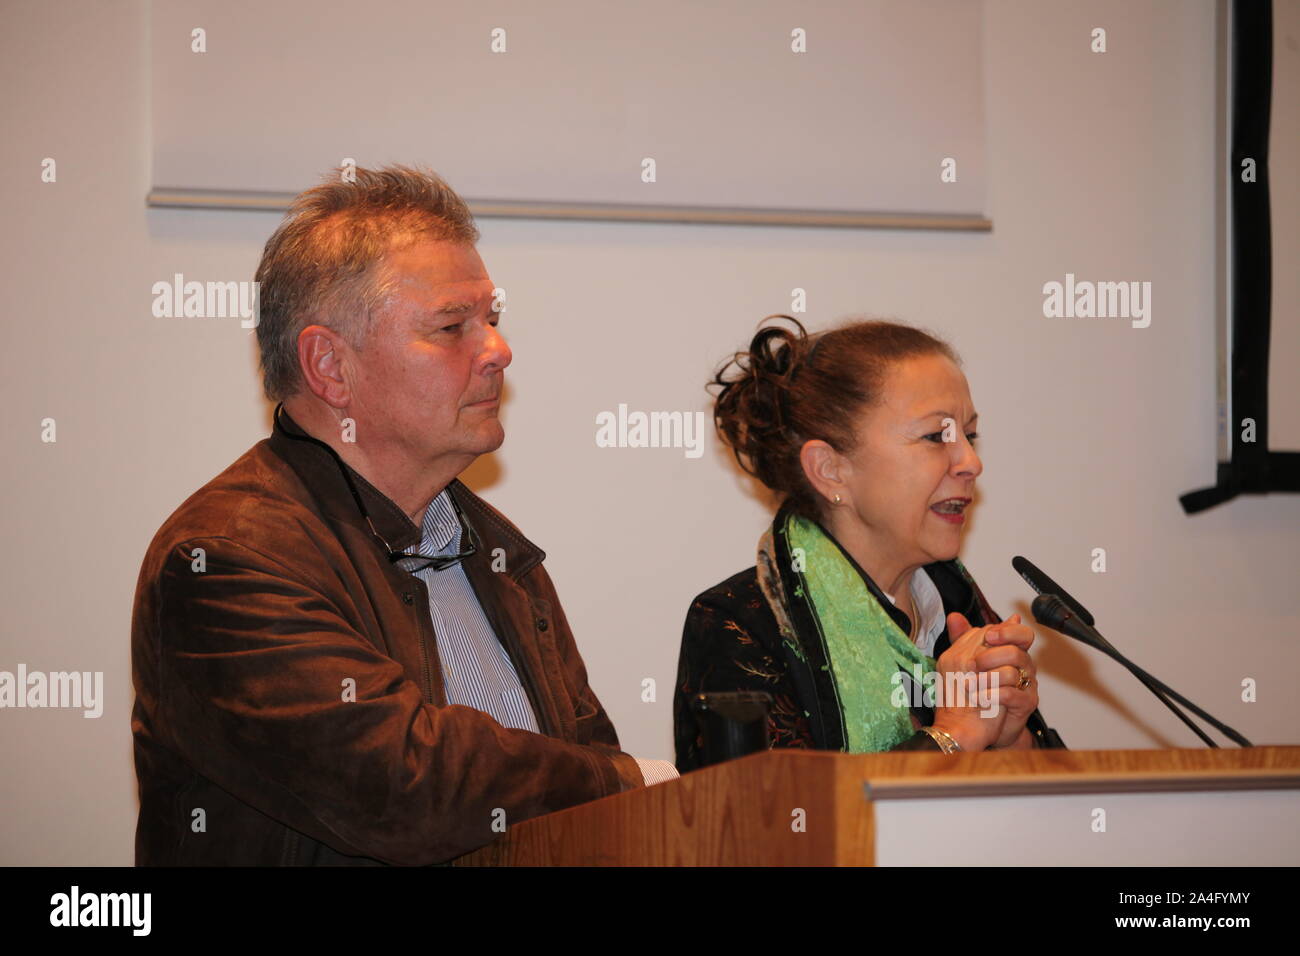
column 825, row 469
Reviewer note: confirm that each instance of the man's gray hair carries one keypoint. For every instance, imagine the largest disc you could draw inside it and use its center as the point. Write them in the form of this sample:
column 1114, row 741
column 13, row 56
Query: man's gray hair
column 323, row 264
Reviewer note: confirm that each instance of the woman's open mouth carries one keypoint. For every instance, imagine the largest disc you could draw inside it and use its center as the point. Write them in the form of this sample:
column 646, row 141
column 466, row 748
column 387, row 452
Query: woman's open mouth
column 951, row 510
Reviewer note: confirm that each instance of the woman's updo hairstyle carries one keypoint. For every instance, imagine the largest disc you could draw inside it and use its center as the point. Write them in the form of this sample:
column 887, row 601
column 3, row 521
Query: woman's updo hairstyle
column 791, row 387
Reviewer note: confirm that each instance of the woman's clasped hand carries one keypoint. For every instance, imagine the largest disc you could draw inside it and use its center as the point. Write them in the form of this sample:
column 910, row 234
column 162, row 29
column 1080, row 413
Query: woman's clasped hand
column 987, row 686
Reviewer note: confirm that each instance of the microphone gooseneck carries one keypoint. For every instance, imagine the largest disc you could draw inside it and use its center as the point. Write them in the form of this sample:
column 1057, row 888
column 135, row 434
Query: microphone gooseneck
column 1071, row 609
column 1053, row 611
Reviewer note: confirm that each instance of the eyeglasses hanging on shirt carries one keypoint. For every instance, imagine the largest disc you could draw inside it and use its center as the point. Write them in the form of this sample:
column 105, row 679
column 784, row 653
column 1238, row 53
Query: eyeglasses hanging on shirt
column 441, row 562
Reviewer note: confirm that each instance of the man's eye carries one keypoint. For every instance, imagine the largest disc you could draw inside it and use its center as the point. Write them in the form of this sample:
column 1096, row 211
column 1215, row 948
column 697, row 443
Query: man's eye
column 452, row 328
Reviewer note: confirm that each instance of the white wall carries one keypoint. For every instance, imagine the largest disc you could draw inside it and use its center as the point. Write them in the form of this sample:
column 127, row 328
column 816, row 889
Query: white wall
column 1100, row 165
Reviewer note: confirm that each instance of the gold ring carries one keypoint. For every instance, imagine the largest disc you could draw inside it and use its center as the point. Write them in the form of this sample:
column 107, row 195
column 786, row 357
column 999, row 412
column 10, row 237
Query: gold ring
column 1024, row 679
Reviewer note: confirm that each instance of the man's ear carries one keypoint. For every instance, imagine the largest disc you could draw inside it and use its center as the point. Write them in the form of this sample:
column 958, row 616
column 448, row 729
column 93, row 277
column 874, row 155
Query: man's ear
column 322, row 357
column 826, row 470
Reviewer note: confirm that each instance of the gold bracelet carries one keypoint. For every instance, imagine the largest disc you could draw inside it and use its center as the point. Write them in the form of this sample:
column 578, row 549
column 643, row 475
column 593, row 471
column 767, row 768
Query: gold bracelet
column 943, row 739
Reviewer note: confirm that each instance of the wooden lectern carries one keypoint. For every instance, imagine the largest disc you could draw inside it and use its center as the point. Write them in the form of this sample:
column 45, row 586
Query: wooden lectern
column 1038, row 807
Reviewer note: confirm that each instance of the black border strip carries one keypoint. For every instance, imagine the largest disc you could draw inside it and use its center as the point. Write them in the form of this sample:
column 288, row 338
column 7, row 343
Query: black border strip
column 1252, row 467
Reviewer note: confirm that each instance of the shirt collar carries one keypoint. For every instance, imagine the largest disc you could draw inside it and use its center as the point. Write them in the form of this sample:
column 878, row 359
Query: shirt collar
column 318, row 468
column 927, row 604
column 440, row 529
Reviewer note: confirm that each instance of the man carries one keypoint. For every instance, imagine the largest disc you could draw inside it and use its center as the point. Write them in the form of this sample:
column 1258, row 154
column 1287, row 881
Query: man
column 341, row 655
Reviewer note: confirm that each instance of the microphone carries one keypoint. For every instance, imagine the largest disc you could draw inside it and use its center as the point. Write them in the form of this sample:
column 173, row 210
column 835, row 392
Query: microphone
column 1056, row 613
column 1053, row 610
column 1042, row 584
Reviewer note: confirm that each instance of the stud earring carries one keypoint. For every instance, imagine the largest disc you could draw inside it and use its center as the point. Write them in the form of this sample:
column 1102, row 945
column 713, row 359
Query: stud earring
column 837, row 499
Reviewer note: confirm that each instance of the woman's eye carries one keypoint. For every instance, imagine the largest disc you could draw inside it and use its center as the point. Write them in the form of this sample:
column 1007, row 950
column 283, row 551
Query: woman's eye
column 972, row 436
column 452, row 328
column 938, row 436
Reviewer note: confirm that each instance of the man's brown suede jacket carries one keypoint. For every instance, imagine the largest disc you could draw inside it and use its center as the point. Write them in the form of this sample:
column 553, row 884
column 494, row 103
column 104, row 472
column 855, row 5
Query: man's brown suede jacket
column 289, row 700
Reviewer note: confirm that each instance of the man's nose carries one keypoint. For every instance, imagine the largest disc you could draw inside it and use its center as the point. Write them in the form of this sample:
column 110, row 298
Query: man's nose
column 496, row 353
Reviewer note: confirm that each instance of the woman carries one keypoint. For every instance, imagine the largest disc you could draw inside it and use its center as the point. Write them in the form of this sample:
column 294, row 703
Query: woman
column 857, row 596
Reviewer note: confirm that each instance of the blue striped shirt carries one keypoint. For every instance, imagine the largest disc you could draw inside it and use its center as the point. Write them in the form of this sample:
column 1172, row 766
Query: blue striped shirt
column 476, row 670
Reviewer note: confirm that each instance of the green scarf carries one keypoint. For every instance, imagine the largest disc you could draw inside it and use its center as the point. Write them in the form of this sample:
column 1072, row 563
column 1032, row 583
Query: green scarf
column 863, row 644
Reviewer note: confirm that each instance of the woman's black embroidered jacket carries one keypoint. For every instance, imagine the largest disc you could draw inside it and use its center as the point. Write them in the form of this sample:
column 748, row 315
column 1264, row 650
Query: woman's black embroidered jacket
column 731, row 642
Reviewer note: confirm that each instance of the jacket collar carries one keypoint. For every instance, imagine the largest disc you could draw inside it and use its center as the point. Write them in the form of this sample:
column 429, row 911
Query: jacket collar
column 955, row 592
column 322, row 470
column 499, row 536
